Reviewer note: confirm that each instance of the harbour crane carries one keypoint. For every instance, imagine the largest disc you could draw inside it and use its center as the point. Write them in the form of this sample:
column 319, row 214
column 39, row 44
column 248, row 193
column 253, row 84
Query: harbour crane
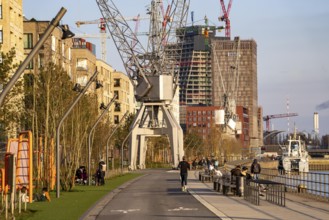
column 225, row 17
column 153, row 73
column 268, row 117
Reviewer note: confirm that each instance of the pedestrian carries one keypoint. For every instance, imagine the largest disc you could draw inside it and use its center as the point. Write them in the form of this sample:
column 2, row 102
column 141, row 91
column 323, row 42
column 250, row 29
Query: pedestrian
column 98, row 177
column 84, row 176
column 237, row 174
column 216, row 164
column 194, row 164
column 184, row 167
column 280, row 167
column 102, row 168
column 255, row 169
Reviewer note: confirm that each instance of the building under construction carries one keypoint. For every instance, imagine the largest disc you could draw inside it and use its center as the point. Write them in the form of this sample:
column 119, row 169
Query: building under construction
column 204, row 72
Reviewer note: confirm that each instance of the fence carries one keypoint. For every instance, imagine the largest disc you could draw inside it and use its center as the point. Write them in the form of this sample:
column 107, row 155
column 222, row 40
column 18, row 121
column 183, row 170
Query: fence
column 311, row 184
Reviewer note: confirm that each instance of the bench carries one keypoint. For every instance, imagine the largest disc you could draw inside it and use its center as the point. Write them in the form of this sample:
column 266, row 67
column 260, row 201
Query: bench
column 205, row 176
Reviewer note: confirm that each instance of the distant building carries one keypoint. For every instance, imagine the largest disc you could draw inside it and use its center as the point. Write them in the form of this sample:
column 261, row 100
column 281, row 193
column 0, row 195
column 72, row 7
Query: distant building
column 195, row 78
column 202, row 120
column 11, row 28
column 11, row 37
column 105, row 94
column 53, row 50
column 83, row 61
column 205, row 68
column 325, row 141
column 121, row 87
column 247, row 94
column 243, row 115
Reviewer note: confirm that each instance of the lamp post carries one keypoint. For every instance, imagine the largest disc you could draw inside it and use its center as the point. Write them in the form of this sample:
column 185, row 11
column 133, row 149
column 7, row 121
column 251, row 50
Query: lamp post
column 53, row 24
column 89, row 136
column 58, row 131
column 108, row 139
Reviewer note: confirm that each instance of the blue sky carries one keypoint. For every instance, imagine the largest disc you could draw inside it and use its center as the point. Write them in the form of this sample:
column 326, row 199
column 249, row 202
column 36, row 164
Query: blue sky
column 292, row 38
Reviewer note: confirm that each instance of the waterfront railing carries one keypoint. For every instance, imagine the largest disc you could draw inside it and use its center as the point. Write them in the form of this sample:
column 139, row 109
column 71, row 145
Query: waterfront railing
column 311, row 184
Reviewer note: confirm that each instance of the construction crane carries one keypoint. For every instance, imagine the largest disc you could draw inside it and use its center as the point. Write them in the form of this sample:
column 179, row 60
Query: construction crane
column 268, row 117
column 153, row 73
column 225, row 17
column 230, row 87
column 102, row 30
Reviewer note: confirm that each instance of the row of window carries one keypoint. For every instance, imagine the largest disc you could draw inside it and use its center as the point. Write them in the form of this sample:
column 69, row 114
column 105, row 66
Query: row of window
column 201, row 113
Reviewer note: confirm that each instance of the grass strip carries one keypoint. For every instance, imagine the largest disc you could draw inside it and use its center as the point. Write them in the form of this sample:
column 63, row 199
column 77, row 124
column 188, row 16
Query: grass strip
column 71, row 205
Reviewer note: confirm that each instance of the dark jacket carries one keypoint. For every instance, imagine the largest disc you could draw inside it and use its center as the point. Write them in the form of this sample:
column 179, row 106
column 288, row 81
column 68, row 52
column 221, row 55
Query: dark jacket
column 236, row 171
column 183, row 166
column 255, row 168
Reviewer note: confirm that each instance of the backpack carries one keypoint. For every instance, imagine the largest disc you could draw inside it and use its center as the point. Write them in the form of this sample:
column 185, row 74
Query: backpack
column 256, row 168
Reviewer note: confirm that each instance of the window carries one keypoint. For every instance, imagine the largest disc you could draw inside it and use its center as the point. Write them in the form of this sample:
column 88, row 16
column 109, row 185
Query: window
column 30, row 66
column 1, row 37
column 53, row 43
column 116, row 82
column 117, row 107
column 0, row 11
column 82, row 64
column 41, row 60
column 117, row 94
column 28, row 41
column 116, row 119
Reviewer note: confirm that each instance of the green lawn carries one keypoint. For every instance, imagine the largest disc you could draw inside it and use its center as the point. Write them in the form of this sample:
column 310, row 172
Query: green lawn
column 71, row 205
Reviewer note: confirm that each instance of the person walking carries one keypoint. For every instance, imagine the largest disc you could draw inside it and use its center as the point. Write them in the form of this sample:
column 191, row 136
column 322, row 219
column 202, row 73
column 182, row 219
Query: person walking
column 184, row 167
column 280, row 167
column 255, row 169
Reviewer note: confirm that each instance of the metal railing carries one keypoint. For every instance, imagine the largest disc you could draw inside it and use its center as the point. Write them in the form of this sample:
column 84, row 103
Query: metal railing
column 310, row 184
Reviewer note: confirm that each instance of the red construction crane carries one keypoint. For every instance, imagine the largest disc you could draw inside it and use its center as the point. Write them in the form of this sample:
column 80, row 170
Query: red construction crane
column 225, row 17
column 268, row 117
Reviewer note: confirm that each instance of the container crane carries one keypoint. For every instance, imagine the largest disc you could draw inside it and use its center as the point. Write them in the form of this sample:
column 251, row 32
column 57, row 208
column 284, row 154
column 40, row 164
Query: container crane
column 268, row 117
column 152, row 73
column 225, row 17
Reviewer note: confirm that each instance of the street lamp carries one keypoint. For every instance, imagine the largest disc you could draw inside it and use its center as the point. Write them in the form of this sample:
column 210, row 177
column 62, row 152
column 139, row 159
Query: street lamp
column 108, row 139
column 58, row 131
column 53, row 24
column 91, row 130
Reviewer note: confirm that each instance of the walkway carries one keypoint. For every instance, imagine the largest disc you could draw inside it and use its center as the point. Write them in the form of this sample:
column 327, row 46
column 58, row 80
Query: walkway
column 232, row 207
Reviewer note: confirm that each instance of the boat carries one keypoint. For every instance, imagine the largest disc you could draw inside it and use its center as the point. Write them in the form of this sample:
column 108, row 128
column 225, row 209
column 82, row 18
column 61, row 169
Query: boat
column 295, row 157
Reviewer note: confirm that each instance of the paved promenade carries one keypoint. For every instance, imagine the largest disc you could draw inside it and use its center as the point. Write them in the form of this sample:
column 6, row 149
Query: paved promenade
column 232, row 207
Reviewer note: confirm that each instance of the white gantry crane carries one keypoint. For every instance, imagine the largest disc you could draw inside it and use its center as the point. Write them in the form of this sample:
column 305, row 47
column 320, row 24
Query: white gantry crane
column 152, row 71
